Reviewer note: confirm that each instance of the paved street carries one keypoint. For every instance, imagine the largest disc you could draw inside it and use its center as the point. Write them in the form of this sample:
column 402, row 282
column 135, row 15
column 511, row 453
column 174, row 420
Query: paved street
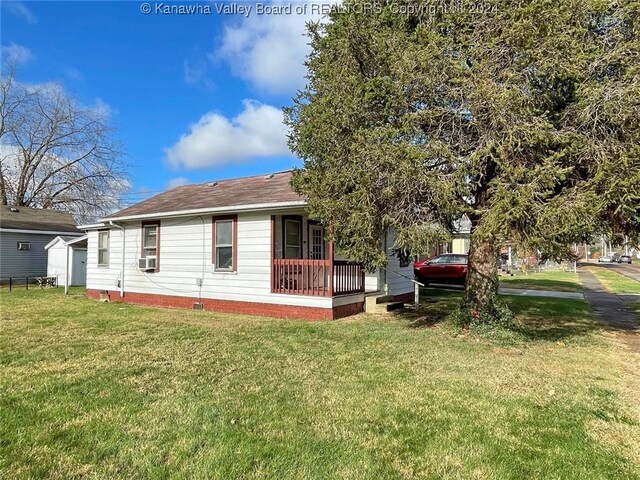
column 632, row 271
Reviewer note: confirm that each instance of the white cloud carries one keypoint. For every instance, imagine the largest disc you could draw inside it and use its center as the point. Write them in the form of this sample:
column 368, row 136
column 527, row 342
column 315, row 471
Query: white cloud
column 191, row 74
column 74, row 74
column 268, row 51
column 177, row 182
column 102, row 108
column 18, row 54
column 20, row 9
column 258, row 131
column 196, row 74
column 47, row 89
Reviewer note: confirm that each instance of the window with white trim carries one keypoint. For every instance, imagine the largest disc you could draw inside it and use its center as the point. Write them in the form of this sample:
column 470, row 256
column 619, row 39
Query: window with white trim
column 103, row 248
column 224, row 243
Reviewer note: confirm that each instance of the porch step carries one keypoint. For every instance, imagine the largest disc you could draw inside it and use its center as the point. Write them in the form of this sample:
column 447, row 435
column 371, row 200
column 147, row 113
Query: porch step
column 381, row 304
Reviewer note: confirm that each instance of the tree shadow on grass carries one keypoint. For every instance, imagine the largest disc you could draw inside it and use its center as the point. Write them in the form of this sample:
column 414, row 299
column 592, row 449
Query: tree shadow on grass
column 435, row 306
column 556, row 330
column 537, row 318
column 552, row 319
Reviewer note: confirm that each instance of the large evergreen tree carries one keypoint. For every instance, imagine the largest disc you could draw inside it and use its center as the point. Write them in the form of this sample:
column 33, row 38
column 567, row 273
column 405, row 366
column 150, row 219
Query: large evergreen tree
column 523, row 116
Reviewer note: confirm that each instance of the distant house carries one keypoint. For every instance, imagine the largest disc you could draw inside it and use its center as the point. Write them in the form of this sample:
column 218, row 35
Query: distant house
column 245, row 245
column 460, row 242
column 24, row 233
column 462, row 236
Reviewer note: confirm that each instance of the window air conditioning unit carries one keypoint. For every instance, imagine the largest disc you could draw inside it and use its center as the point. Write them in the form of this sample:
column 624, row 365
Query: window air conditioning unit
column 147, row 263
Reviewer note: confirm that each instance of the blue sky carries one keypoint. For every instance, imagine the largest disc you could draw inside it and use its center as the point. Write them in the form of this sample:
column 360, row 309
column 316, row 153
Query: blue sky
column 193, row 97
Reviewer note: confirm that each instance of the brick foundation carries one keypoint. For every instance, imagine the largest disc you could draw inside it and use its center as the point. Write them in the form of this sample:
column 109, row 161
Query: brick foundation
column 348, row 310
column 230, row 306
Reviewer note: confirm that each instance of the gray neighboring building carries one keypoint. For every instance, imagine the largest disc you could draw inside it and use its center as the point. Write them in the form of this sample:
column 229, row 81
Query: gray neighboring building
column 24, row 232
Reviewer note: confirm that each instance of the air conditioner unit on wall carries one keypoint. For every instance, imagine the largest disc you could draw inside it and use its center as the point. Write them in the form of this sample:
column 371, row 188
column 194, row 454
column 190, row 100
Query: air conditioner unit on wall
column 147, row 263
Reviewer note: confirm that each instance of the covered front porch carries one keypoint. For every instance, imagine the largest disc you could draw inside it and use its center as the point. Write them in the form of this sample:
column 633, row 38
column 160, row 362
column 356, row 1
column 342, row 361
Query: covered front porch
column 303, row 262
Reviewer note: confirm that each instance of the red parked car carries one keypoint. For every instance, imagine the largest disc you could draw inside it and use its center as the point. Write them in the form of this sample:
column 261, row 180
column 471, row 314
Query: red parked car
column 446, row 268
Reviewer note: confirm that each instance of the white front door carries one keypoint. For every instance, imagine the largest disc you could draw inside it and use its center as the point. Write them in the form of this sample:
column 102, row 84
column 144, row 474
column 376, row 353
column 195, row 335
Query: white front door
column 316, row 242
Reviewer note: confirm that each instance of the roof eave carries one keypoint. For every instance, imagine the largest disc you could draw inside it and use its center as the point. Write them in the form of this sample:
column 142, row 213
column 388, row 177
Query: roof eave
column 201, row 211
column 91, row 226
column 77, row 240
column 69, row 242
column 53, row 242
column 39, row 232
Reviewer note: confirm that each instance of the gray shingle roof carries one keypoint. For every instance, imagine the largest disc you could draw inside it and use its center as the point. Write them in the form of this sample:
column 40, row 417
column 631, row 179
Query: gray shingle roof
column 36, row 219
column 260, row 189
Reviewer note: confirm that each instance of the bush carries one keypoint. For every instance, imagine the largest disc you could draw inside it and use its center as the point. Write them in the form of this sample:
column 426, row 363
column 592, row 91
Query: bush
column 495, row 314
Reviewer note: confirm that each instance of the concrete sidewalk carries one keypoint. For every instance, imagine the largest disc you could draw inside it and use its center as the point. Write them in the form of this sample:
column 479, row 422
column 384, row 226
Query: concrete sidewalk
column 522, row 292
column 608, row 307
column 529, row 292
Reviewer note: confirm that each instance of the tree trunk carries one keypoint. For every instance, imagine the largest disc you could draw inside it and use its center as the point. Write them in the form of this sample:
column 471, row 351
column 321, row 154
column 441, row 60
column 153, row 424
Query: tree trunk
column 481, row 286
column 3, row 191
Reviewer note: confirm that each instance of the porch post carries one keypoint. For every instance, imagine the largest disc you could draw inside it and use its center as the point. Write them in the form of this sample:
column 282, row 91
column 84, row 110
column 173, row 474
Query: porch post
column 66, row 271
column 330, row 292
column 273, row 250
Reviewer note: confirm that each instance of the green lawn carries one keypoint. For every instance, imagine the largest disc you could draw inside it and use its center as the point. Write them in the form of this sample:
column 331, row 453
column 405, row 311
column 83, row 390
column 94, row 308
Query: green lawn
column 615, row 282
column 552, row 280
column 635, row 307
column 94, row 390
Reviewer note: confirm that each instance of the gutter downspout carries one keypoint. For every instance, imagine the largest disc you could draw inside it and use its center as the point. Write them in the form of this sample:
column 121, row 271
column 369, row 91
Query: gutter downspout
column 121, row 258
column 66, row 271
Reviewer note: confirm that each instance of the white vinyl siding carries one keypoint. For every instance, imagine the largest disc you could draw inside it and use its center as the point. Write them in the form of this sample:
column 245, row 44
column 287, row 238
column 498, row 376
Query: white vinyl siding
column 103, row 277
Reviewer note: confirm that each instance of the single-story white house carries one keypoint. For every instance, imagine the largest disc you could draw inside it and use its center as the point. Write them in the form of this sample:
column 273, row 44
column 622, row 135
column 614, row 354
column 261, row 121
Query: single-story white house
column 67, row 259
column 244, row 245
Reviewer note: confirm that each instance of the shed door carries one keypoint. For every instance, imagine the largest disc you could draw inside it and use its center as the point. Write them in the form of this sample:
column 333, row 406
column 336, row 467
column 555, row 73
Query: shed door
column 79, row 267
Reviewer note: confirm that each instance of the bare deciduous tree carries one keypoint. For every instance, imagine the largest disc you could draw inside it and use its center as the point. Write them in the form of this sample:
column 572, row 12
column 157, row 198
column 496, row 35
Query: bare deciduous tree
column 56, row 153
